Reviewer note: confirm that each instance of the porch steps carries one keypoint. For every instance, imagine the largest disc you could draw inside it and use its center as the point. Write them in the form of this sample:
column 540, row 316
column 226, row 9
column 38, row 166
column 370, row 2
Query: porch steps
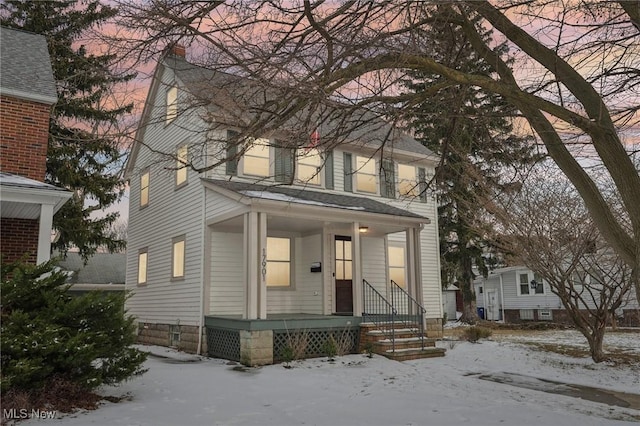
column 405, row 340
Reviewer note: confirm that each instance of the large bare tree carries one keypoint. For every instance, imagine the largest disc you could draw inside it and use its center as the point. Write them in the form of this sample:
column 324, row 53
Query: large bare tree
column 575, row 78
column 547, row 228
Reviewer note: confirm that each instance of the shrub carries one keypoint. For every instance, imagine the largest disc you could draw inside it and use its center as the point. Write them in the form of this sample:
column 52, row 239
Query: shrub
column 330, row 348
column 49, row 335
column 475, row 333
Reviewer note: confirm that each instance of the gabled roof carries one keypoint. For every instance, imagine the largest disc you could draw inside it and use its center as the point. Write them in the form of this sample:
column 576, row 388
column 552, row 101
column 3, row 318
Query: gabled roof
column 25, row 67
column 203, row 83
column 369, row 129
column 309, row 197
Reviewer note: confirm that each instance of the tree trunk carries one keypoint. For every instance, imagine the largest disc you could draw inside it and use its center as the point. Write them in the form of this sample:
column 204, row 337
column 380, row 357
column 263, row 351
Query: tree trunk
column 595, row 344
column 465, row 282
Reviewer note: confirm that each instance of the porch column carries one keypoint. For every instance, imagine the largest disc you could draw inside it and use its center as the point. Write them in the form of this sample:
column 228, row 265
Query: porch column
column 418, row 265
column 411, row 263
column 255, row 265
column 44, row 233
column 357, row 271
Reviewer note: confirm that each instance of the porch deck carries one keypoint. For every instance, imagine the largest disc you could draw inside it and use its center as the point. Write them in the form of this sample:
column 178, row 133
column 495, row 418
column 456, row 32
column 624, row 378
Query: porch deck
column 263, row 341
column 294, row 321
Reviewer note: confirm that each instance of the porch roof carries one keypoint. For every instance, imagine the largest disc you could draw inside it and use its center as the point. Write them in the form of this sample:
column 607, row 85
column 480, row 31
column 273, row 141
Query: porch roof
column 305, row 196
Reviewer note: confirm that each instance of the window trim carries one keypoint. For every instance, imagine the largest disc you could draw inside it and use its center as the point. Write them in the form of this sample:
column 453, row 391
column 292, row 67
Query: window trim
column 530, row 276
column 146, row 171
column 143, row 251
column 320, row 167
column 175, row 240
column 358, row 171
column 171, row 109
column 292, row 281
column 404, row 263
column 269, row 158
column 181, row 167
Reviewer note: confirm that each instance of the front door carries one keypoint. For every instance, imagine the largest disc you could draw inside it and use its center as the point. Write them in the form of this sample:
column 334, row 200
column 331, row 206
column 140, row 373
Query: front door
column 344, row 276
column 493, row 314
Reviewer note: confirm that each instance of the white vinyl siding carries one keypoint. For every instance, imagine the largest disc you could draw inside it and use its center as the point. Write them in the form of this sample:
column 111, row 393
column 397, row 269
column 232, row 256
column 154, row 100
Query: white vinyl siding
column 227, row 286
column 161, row 300
column 374, row 262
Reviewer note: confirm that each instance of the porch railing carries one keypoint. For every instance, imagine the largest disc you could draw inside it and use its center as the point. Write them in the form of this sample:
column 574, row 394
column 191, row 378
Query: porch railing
column 413, row 312
column 378, row 310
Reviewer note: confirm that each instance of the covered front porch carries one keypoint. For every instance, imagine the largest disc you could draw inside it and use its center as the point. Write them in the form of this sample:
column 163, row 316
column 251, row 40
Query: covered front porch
column 280, row 261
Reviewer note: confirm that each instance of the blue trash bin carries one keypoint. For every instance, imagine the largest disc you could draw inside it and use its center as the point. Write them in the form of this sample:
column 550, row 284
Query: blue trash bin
column 481, row 313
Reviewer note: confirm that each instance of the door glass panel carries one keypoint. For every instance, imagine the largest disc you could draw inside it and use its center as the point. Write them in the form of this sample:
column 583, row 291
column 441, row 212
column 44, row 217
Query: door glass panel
column 339, row 249
column 348, row 270
column 339, row 270
column 347, row 250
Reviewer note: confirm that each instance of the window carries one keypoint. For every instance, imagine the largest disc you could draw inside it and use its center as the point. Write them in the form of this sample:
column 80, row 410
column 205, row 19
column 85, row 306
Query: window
column 177, row 264
column 366, row 174
column 256, row 158
column 181, row 162
column 232, row 153
column 524, row 283
column 479, row 290
column 144, row 188
column 344, row 262
column 539, row 284
column 143, row 256
column 407, row 181
column 309, row 165
column 278, row 262
column 172, row 104
column 397, row 265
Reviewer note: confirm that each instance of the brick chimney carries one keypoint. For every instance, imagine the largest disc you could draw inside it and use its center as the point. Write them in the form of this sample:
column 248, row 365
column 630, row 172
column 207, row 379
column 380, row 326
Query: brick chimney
column 176, row 49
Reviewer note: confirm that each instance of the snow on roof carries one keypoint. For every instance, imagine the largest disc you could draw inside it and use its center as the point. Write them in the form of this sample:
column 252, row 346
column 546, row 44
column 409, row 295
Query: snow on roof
column 287, row 198
column 9, row 179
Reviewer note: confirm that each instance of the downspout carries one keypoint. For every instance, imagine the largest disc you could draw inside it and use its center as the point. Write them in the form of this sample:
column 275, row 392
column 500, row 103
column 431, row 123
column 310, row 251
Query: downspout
column 502, row 300
column 202, row 267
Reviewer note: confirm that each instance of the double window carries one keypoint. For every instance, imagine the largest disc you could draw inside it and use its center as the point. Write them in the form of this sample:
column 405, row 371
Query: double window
column 265, row 158
column 361, row 173
column 529, row 283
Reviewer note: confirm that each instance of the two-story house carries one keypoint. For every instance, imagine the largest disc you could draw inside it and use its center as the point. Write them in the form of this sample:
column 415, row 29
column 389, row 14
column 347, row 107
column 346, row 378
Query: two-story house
column 27, row 94
column 275, row 239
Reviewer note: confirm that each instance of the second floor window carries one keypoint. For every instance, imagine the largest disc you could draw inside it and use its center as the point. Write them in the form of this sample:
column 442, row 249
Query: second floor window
column 256, row 158
column 309, row 165
column 181, row 161
column 407, row 181
column 172, row 104
column 144, row 189
column 366, row 175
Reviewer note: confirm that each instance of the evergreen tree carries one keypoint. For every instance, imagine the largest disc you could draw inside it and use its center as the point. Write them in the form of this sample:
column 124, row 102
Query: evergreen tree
column 472, row 132
column 48, row 334
column 82, row 155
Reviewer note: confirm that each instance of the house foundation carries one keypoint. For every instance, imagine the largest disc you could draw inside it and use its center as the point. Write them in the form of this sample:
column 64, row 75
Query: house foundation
column 181, row 337
column 256, row 347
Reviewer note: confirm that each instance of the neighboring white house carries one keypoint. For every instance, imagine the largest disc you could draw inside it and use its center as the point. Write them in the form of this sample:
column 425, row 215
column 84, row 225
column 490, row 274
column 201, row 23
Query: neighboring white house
column 230, row 257
column 516, row 294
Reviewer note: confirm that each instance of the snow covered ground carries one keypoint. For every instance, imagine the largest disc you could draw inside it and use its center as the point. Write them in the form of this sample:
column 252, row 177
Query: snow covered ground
column 356, row 390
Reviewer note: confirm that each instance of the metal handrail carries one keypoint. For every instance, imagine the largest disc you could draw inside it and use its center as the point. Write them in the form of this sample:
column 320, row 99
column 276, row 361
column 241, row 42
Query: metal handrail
column 378, row 310
column 412, row 306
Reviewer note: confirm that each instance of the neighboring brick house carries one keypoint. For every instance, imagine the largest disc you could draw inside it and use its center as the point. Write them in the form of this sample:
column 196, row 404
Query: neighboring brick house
column 27, row 94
